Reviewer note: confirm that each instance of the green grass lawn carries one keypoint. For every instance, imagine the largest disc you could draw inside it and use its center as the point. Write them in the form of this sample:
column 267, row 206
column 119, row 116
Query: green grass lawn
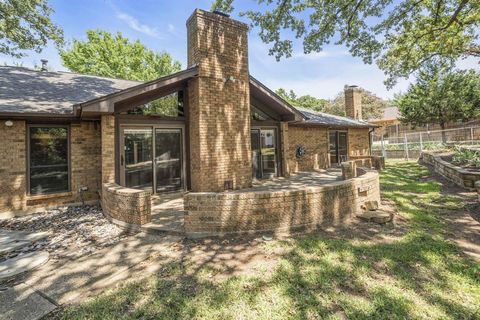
column 417, row 275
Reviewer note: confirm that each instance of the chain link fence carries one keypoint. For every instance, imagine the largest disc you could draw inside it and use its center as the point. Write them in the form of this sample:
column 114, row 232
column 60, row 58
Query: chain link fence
column 410, row 145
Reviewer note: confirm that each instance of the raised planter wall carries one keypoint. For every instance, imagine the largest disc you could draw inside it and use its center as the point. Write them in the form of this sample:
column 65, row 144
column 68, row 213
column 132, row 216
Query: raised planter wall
column 458, row 175
column 125, row 205
column 279, row 211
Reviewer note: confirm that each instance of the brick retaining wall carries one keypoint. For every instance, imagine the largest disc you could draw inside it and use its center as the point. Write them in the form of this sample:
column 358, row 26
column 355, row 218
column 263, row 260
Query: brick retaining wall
column 280, row 211
column 458, row 175
column 131, row 206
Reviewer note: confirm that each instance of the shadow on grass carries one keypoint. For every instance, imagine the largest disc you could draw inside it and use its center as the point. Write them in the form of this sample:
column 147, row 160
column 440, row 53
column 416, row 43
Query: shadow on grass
column 418, row 275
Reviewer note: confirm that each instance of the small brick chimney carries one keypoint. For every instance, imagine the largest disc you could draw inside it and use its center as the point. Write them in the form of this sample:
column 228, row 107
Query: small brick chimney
column 353, row 102
column 219, row 103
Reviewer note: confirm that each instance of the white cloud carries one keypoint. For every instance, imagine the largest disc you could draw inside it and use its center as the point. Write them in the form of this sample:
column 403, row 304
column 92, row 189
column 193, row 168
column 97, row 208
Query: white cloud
column 137, row 26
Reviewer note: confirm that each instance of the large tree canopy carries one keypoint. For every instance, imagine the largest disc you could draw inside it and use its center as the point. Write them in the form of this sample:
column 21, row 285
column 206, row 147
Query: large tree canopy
column 26, row 25
column 372, row 106
column 401, row 36
column 108, row 55
column 440, row 95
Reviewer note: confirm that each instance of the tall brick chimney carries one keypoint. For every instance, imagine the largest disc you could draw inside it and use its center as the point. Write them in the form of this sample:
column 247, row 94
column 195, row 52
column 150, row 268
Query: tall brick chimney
column 353, row 102
column 219, row 103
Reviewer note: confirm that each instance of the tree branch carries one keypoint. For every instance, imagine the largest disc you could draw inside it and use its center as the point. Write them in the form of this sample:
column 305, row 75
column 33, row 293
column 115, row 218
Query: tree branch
column 349, row 22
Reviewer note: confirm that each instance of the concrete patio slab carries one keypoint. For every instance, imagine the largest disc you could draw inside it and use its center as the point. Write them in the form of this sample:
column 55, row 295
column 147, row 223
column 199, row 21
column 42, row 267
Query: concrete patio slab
column 23, row 303
column 22, row 263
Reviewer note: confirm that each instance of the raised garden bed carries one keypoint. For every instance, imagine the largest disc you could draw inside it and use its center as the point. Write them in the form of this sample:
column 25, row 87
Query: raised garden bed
column 441, row 161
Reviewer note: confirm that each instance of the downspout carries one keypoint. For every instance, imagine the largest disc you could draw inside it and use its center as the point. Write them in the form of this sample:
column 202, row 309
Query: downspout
column 370, row 140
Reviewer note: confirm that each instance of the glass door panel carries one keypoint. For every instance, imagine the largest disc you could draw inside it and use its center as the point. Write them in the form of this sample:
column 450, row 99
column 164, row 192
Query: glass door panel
column 342, row 146
column 256, row 154
column 168, row 159
column 138, row 155
column 338, row 146
column 267, row 143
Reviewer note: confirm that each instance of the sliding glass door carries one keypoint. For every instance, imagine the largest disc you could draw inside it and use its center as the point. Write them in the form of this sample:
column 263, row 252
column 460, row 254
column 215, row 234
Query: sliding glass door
column 338, row 146
column 151, row 158
column 264, row 153
column 168, row 159
column 137, row 158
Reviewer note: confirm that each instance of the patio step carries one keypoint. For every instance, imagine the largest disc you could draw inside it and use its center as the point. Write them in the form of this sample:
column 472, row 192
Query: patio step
column 166, row 222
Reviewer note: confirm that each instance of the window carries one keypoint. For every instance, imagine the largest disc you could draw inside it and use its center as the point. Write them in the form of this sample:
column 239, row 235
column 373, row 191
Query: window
column 48, row 159
column 168, row 106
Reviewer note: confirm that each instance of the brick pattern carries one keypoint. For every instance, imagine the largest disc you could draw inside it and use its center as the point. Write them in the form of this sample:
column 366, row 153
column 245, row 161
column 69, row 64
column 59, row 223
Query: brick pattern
column 12, row 166
column 458, row 175
column 84, row 168
column 219, row 103
column 315, row 141
column 127, row 205
column 278, row 211
column 285, row 153
column 353, row 102
column 108, row 148
column 85, row 158
column 358, row 142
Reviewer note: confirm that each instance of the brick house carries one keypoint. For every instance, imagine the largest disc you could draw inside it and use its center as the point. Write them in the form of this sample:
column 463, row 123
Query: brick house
column 70, row 138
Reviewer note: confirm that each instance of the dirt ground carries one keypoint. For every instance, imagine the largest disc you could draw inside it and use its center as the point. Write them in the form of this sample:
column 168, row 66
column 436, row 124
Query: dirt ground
column 463, row 226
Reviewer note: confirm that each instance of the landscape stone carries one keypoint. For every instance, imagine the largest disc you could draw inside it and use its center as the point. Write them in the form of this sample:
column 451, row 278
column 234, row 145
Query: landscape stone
column 377, row 216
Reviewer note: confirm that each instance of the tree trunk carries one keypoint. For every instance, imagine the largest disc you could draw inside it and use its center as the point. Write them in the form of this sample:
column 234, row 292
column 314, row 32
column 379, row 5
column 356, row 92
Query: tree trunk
column 444, row 134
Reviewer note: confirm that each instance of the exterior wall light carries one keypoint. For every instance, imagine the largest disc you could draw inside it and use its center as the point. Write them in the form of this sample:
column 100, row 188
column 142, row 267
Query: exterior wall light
column 8, row 123
column 231, row 79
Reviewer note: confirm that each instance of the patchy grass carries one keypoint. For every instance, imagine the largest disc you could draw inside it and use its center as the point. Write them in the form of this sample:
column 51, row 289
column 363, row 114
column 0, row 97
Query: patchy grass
column 418, row 275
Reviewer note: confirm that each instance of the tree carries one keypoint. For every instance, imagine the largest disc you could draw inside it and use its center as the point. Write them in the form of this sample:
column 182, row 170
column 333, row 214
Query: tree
column 306, row 101
column 108, row 55
column 401, row 36
column 372, row 106
column 440, row 95
column 26, row 25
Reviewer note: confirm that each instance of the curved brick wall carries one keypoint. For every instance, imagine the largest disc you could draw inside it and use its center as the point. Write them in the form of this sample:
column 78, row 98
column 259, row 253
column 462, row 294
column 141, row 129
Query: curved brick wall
column 463, row 178
column 130, row 206
column 209, row 213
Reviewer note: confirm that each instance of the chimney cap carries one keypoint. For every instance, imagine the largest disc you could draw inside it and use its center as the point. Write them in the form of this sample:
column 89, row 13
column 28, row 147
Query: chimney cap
column 220, row 13
column 44, row 64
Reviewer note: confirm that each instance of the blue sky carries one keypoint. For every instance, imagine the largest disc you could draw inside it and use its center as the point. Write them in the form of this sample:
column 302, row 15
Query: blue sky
column 160, row 25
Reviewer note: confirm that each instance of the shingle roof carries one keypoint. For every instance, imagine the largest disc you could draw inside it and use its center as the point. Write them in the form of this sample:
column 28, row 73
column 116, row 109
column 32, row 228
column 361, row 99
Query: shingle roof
column 25, row 90
column 320, row 118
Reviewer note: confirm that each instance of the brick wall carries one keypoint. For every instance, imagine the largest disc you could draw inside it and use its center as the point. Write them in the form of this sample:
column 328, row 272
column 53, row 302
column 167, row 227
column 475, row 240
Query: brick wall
column 12, row 166
column 315, row 141
column 130, row 206
column 280, row 211
column 85, row 158
column 84, row 168
column 458, row 175
column 108, row 148
column 219, row 108
column 353, row 102
column 358, row 142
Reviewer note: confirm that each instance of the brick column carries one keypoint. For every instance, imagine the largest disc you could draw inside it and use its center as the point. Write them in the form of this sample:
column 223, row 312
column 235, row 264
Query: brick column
column 108, row 148
column 284, row 149
column 219, row 103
